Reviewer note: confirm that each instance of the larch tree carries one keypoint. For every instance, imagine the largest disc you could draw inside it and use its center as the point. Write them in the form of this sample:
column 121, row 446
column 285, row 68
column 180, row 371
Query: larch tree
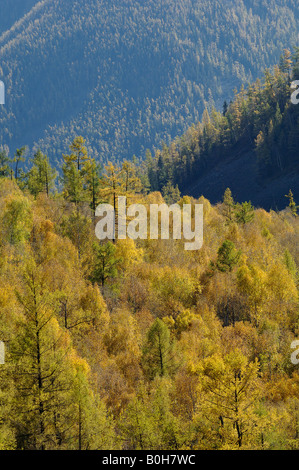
column 41, row 177
column 230, row 393
column 159, row 357
column 42, row 369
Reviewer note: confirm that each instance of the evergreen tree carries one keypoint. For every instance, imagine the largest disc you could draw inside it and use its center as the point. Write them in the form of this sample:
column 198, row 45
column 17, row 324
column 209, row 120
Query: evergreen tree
column 171, row 194
column 244, row 213
column 75, row 166
column 159, row 356
column 42, row 368
column 105, row 263
column 228, row 256
column 228, row 206
column 292, row 204
column 5, row 169
column 41, row 177
column 19, row 158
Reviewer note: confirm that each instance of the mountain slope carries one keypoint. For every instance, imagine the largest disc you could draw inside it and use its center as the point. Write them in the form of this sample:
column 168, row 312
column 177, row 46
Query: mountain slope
column 239, row 173
column 129, row 74
column 12, row 11
column 252, row 146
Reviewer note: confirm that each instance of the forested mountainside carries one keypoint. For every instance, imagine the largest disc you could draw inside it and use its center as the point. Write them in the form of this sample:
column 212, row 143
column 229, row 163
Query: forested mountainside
column 129, row 74
column 12, row 11
column 141, row 344
column 252, row 146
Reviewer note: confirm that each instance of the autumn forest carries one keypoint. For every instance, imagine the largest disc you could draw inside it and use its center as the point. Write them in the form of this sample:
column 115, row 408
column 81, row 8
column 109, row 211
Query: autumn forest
column 138, row 344
column 141, row 345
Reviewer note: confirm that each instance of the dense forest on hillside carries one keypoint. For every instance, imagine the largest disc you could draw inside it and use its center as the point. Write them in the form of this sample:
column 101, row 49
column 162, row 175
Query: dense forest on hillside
column 141, row 344
column 260, row 123
column 129, row 74
column 260, row 118
column 12, row 12
column 126, row 344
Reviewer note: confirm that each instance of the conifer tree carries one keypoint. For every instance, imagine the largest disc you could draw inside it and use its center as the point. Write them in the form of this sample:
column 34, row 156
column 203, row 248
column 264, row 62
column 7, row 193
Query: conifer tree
column 228, row 206
column 292, row 204
column 244, row 213
column 228, row 256
column 5, row 169
column 41, row 177
column 231, row 390
column 74, row 167
column 105, row 263
column 40, row 353
column 19, row 158
column 159, row 351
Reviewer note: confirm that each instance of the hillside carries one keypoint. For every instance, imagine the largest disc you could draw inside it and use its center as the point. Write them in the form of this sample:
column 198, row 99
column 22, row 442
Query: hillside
column 252, row 146
column 129, row 74
column 142, row 345
column 13, row 11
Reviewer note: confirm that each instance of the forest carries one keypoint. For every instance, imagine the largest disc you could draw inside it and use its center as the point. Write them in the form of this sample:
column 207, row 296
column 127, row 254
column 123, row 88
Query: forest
column 128, row 74
column 260, row 119
column 142, row 345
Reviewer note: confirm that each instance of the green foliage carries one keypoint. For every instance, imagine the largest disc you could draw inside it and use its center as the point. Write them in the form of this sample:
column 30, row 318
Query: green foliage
column 228, row 206
column 227, row 257
column 19, row 157
column 260, row 120
column 290, row 263
column 105, row 263
column 41, row 177
column 159, row 357
column 17, row 219
column 292, row 204
column 5, row 170
column 244, row 213
column 171, row 194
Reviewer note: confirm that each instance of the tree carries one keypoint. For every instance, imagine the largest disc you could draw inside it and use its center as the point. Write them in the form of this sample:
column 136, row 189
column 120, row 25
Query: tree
column 171, row 194
column 74, row 167
column 285, row 63
column 17, row 219
column 225, row 108
column 228, row 206
column 290, row 263
column 244, row 213
column 228, row 256
column 41, row 177
column 78, row 153
column 72, row 183
column 92, row 175
column 252, row 283
column 149, row 422
column 113, row 183
column 230, row 387
column 18, row 158
column 132, row 183
column 292, row 204
column 295, row 59
column 79, row 229
column 93, row 428
column 105, row 263
column 41, row 354
column 5, row 170
column 112, row 187
column 159, row 351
